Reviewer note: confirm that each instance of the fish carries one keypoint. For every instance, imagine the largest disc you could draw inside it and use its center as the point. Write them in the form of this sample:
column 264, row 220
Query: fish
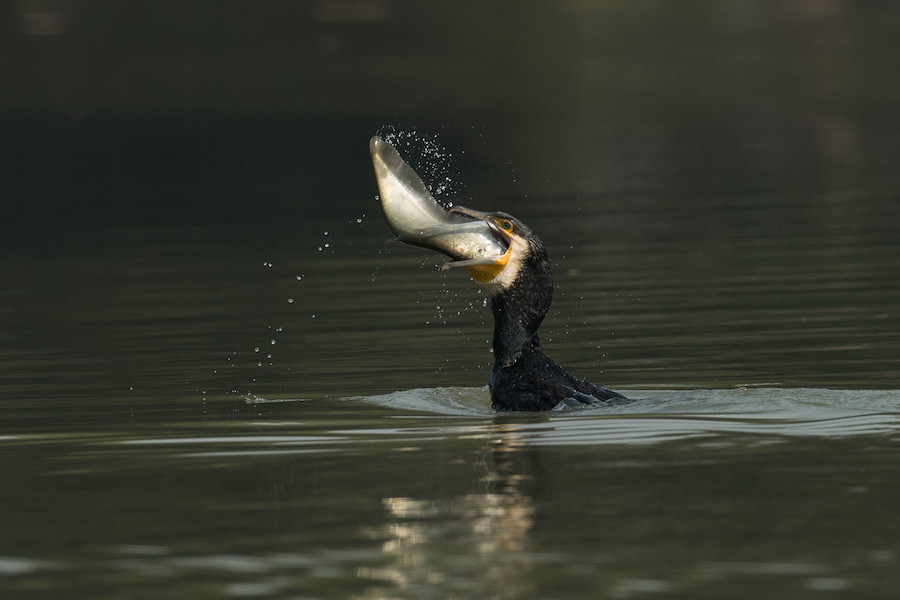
column 416, row 219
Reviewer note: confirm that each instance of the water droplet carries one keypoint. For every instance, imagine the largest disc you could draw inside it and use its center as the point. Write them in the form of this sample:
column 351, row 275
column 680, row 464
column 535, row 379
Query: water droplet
column 290, row 300
column 326, row 233
column 259, row 364
column 256, row 349
column 273, row 342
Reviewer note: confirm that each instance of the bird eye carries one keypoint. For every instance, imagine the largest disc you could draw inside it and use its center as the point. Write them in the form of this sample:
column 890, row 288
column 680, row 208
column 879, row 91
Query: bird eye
column 506, row 225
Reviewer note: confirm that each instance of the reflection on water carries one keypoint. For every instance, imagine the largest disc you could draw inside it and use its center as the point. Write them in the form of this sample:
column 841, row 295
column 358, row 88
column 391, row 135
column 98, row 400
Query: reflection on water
column 203, row 332
column 683, row 492
column 476, row 544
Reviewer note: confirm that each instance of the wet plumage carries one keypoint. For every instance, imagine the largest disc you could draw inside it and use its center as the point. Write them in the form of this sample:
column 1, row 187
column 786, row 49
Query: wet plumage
column 502, row 254
column 523, row 376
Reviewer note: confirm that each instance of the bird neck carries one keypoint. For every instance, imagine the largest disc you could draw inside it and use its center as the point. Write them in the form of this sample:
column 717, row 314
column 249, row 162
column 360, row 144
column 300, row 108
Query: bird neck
column 520, row 309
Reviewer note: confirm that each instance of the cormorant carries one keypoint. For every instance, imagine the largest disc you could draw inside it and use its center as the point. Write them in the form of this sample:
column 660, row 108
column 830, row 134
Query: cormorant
column 502, row 254
column 520, row 286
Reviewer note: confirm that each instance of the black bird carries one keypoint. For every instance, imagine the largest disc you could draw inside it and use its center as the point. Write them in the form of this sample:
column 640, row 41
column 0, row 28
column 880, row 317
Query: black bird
column 510, row 261
column 520, row 286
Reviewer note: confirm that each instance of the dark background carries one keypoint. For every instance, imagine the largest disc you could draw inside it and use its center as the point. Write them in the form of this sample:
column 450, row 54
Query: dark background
column 202, row 102
column 717, row 183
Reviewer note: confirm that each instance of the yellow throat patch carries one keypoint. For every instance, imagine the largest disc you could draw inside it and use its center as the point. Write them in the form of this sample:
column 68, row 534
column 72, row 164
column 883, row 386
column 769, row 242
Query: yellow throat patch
column 486, row 273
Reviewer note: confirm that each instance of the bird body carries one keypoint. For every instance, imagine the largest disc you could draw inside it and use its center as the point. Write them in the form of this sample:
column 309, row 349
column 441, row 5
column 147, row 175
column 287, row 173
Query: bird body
column 511, row 263
column 523, row 376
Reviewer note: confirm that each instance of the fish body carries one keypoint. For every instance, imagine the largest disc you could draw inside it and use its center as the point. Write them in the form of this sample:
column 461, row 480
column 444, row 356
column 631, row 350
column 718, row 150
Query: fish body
column 412, row 214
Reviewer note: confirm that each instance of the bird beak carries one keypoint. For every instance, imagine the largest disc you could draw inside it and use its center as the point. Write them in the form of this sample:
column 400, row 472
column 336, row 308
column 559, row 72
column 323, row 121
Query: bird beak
column 485, row 269
column 416, row 219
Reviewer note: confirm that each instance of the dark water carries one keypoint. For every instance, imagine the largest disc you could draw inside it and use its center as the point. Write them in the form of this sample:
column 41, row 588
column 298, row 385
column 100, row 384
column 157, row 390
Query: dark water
column 427, row 494
column 207, row 410
column 217, row 379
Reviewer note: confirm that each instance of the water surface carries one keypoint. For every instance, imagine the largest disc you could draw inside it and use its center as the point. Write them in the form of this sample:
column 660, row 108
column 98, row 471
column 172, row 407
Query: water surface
column 428, row 493
column 219, row 380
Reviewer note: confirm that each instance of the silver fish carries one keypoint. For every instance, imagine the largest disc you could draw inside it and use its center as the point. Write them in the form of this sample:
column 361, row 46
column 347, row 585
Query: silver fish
column 416, row 219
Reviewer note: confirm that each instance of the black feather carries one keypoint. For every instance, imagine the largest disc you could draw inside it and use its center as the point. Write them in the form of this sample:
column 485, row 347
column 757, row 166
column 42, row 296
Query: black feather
column 523, row 377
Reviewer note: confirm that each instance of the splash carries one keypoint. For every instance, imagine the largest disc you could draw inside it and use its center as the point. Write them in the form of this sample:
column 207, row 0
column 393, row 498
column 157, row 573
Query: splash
column 458, row 401
column 429, row 158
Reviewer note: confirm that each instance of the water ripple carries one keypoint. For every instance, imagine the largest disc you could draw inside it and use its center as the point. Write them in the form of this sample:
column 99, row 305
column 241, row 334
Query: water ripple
column 656, row 417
